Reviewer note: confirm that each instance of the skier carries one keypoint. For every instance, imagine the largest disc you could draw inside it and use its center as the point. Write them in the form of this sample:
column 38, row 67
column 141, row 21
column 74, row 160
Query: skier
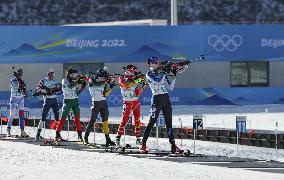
column 49, row 88
column 160, row 85
column 100, row 88
column 72, row 86
column 130, row 90
column 17, row 101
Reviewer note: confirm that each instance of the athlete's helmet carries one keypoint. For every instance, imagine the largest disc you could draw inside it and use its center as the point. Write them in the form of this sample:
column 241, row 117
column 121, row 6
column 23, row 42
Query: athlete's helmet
column 130, row 70
column 153, row 62
column 102, row 74
column 20, row 72
column 72, row 74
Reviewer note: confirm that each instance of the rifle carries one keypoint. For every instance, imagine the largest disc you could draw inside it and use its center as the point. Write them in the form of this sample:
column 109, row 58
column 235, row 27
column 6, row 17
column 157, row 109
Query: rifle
column 82, row 80
column 137, row 75
column 142, row 76
column 49, row 91
column 22, row 86
column 170, row 67
column 111, row 78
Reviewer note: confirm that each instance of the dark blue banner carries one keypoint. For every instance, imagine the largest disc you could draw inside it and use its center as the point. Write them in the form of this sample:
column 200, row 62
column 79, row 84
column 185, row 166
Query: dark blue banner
column 50, row 44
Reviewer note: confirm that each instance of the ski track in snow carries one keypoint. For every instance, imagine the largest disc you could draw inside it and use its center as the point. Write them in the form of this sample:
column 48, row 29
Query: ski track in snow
column 20, row 160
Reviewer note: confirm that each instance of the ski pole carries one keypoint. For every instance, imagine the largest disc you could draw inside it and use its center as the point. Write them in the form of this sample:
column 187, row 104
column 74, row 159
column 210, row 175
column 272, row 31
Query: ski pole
column 43, row 129
column 129, row 124
column 242, row 137
column 124, row 143
column 95, row 132
column 157, row 136
column 181, row 133
column 276, row 140
column 237, row 143
column 194, row 140
column 194, row 135
column 49, row 131
column 129, row 121
column 34, row 121
column 2, row 112
column 1, row 116
column 1, row 125
column 68, row 124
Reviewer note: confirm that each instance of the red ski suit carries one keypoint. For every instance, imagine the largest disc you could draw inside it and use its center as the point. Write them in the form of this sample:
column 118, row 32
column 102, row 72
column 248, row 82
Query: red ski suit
column 130, row 93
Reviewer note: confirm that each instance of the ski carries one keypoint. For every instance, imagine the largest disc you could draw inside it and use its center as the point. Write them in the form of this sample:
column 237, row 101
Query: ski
column 51, row 142
column 101, row 146
column 111, row 149
column 127, row 147
column 11, row 137
column 74, row 141
column 162, row 153
column 15, row 137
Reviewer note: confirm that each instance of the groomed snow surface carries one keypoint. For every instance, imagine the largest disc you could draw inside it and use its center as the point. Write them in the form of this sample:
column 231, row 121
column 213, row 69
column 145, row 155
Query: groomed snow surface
column 259, row 117
column 20, row 160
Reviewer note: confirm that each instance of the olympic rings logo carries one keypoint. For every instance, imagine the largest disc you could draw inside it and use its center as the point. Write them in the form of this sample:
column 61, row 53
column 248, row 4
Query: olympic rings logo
column 225, row 42
column 115, row 99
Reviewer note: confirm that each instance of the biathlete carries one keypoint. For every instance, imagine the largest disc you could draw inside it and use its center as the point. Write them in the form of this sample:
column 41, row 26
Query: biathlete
column 160, row 84
column 18, row 93
column 72, row 86
column 49, row 88
column 100, row 87
column 130, row 90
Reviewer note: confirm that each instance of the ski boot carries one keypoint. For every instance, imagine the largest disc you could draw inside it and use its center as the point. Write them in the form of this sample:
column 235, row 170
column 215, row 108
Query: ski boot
column 8, row 132
column 24, row 134
column 38, row 137
column 86, row 137
column 58, row 136
column 109, row 142
column 138, row 141
column 175, row 149
column 80, row 138
column 143, row 149
column 117, row 141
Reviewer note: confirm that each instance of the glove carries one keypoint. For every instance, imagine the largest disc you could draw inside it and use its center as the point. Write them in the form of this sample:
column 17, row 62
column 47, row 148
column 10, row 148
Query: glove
column 144, row 81
column 49, row 92
column 81, row 81
column 42, row 91
column 112, row 85
column 138, row 80
column 174, row 71
column 167, row 66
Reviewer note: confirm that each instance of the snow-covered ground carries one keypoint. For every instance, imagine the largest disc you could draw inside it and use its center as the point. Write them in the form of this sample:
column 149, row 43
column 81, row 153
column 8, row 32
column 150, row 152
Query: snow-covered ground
column 262, row 117
column 20, row 160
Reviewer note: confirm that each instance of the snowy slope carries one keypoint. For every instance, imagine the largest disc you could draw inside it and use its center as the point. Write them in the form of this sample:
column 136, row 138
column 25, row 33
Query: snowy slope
column 23, row 161
column 26, row 161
